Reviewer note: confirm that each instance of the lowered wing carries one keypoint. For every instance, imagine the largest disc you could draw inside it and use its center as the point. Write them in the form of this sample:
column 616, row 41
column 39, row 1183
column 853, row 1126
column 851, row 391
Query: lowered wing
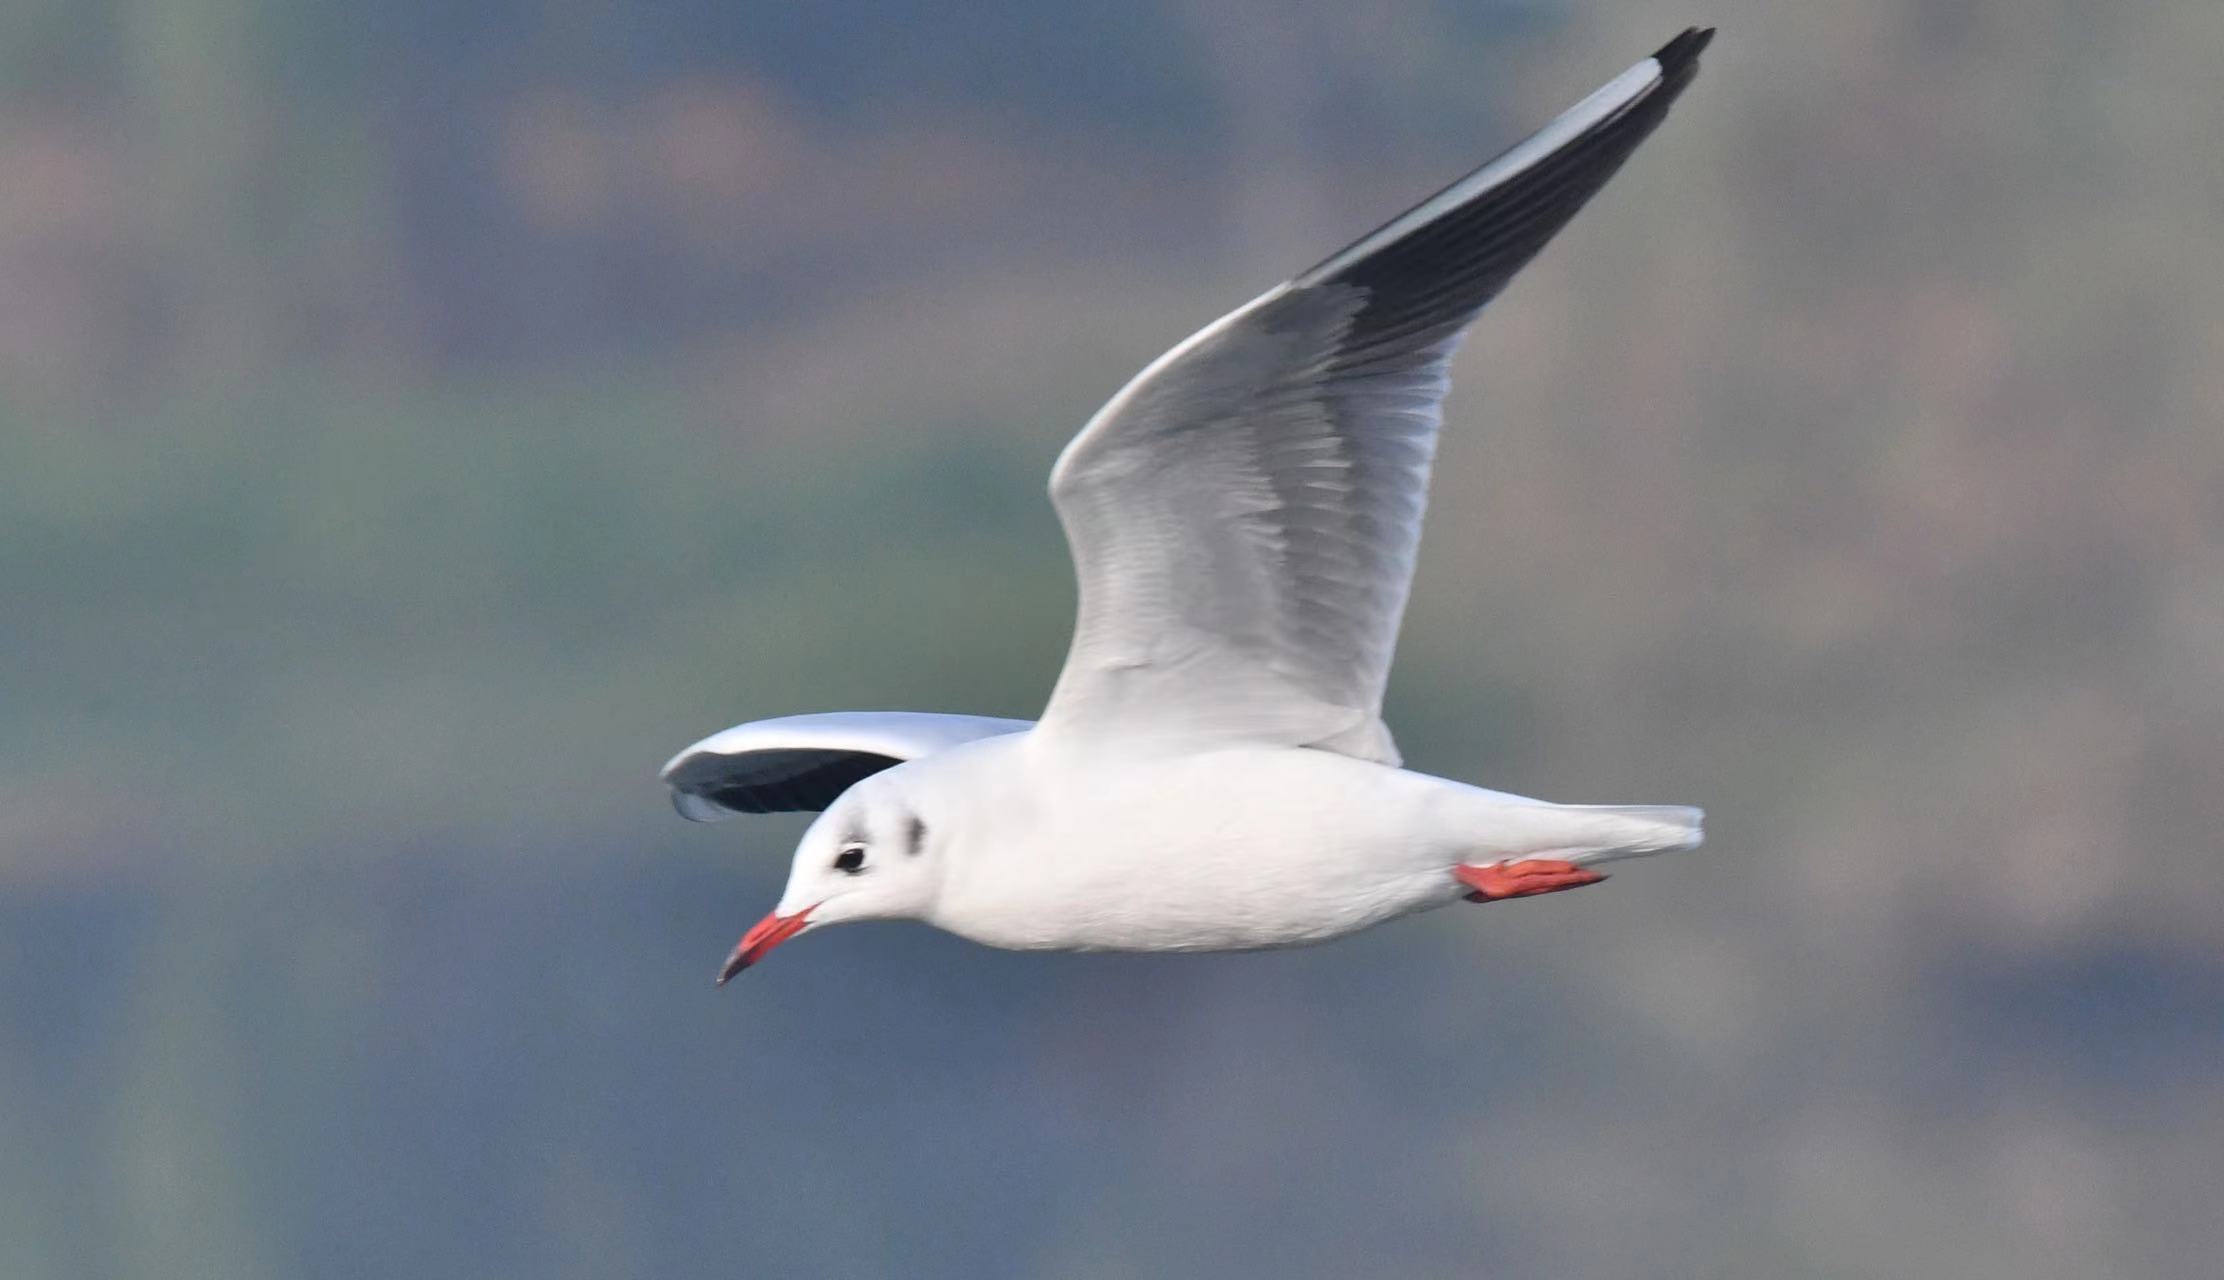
column 800, row 763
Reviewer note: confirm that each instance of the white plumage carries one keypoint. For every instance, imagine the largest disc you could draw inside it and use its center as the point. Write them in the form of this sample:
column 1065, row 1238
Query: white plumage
column 1212, row 770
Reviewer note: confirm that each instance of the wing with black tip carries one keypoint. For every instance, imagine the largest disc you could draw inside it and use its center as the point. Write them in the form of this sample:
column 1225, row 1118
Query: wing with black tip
column 801, row 763
column 1244, row 514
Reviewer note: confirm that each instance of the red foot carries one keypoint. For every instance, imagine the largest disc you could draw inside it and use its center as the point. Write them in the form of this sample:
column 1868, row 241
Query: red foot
column 1524, row 879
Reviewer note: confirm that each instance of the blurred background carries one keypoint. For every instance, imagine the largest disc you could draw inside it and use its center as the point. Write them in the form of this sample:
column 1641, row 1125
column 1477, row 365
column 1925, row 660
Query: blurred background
column 418, row 420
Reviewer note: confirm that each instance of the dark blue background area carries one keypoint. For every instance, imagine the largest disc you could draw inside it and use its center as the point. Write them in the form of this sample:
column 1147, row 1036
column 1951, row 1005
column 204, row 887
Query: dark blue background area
column 511, row 1031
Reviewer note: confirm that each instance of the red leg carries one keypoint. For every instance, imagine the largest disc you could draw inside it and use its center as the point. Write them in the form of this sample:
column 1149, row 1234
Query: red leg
column 1523, row 879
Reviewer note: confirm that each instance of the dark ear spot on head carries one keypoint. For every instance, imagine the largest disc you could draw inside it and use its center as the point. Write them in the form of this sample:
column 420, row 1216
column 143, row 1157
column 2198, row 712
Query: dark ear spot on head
column 916, row 834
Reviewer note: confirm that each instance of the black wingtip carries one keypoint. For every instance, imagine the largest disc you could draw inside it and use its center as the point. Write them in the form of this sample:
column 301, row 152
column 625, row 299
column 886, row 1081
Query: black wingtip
column 1679, row 56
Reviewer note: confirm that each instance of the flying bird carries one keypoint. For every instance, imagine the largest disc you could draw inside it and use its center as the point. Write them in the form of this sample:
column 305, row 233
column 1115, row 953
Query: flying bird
column 1212, row 771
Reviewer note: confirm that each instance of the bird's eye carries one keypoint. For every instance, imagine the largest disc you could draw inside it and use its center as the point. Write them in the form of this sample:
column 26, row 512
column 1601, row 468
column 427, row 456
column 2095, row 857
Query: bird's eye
column 851, row 859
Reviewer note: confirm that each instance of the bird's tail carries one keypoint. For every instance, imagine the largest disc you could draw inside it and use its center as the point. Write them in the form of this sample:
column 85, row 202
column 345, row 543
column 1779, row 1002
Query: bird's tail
column 1636, row 830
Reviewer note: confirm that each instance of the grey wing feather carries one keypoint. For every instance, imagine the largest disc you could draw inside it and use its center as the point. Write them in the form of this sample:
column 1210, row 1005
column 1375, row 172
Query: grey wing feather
column 1245, row 513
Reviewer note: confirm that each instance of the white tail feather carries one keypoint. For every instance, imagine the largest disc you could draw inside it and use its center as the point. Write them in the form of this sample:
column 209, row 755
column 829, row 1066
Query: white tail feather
column 1639, row 830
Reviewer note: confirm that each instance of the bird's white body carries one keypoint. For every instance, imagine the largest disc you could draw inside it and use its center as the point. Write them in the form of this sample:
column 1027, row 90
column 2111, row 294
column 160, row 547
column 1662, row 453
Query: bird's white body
column 1212, row 771
column 1228, row 849
column 1221, row 850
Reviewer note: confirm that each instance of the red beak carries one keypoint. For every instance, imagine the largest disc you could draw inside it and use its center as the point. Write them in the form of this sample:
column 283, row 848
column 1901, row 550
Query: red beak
column 762, row 937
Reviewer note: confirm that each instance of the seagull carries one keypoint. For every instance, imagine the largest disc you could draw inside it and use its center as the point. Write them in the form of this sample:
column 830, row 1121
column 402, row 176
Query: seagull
column 1212, row 772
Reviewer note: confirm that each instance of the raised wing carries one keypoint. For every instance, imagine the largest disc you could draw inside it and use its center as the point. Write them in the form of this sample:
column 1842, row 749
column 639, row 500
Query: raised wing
column 802, row 762
column 1244, row 514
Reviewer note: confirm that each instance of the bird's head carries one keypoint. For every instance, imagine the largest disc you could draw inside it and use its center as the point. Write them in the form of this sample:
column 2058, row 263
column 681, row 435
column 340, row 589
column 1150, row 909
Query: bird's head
column 870, row 856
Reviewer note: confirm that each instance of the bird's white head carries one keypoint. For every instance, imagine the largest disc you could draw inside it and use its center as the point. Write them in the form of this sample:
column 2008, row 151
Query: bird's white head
column 870, row 856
